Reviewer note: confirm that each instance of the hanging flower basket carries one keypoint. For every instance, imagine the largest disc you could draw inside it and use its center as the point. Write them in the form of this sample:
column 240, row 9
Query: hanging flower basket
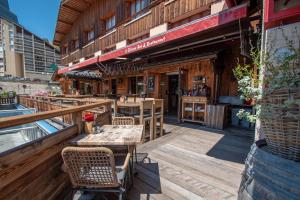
column 280, row 122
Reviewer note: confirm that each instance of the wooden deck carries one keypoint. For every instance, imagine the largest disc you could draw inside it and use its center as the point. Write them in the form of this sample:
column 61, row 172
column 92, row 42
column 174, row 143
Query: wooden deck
column 192, row 163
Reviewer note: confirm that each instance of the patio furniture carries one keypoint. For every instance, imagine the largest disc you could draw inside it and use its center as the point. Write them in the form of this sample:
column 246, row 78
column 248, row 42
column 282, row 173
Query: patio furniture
column 115, row 137
column 158, row 116
column 128, row 108
column 111, row 135
column 97, row 175
column 145, row 118
column 123, row 121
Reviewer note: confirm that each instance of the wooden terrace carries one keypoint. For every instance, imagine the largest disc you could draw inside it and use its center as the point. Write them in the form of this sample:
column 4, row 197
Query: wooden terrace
column 187, row 162
column 192, row 163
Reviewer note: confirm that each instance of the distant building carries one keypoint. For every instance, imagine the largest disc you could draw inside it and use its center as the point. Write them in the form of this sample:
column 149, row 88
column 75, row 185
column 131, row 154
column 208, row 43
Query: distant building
column 23, row 54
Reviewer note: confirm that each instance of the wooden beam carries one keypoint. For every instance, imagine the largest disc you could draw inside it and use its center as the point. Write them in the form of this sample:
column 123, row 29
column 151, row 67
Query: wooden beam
column 59, row 32
column 29, row 118
column 71, row 8
column 62, row 21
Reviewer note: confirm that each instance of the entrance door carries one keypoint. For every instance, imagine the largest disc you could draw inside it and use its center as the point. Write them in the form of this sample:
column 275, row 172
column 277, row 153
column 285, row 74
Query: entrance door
column 173, row 94
column 132, row 85
column 113, row 86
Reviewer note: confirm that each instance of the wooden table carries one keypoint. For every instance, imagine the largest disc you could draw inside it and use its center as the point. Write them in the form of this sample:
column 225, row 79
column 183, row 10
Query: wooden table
column 112, row 135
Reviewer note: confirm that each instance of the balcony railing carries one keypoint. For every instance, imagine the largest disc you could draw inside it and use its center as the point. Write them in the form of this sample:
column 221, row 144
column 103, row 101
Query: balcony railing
column 171, row 12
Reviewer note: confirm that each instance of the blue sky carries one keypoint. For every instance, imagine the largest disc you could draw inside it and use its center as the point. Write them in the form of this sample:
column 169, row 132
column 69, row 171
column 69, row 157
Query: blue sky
column 38, row 16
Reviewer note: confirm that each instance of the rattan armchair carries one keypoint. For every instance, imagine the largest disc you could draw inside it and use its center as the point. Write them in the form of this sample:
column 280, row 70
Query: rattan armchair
column 94, row 169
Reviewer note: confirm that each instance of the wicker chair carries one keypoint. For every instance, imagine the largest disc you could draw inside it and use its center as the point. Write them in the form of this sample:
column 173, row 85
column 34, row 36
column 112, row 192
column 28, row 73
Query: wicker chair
column 94, row 169
column 123, row 121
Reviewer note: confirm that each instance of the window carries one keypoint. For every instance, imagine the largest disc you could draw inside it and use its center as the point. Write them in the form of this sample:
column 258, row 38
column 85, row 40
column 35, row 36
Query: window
column 75, row 44
column 11, row 37
column 138, row 5
column 110, row 22
column 64, row 49
column 90, row 35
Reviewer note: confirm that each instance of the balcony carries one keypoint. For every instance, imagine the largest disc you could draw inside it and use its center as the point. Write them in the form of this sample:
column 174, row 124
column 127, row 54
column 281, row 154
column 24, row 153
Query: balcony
column 172, row 12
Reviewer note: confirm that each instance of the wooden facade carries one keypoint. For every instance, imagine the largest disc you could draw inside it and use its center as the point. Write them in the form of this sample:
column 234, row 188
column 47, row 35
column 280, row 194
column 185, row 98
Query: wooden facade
column 171, row 70
column 131, row 28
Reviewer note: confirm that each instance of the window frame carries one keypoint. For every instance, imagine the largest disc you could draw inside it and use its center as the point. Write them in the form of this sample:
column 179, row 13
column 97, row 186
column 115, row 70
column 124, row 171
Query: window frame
column 139, row 6
column 90, row 35
column 111, row 21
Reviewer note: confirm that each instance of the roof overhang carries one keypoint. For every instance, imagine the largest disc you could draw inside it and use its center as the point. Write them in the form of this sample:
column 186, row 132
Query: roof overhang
column 186, row 30
column 69, row 10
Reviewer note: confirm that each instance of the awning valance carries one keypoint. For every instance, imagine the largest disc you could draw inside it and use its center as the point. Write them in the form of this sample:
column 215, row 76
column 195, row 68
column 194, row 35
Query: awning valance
column 89, row 75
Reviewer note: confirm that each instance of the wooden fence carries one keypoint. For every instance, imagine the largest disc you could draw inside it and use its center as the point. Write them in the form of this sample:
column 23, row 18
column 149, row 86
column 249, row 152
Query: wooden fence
column 8, row 100
column 44, row 103
column 33, row 170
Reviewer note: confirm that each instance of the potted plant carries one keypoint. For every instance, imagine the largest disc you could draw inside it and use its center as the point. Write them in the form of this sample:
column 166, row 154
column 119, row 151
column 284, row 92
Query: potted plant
column 277, row 100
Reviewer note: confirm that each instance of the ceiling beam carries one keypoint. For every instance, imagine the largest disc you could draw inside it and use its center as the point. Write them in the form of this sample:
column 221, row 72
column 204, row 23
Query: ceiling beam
column 71, row 8
column 62, row 21
column 59, row 32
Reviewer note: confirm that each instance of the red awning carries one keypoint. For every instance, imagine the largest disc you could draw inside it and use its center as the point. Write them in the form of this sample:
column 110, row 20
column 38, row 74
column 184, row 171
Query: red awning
column 185, row 30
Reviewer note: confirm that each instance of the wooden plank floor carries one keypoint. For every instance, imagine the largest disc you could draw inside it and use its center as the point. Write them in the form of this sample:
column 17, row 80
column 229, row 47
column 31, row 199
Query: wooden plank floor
column 192, row 163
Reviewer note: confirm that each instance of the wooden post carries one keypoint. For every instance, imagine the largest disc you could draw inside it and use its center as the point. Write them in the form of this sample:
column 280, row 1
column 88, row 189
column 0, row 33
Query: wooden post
column 179, row 95
column 115, row 107
column 77, row 119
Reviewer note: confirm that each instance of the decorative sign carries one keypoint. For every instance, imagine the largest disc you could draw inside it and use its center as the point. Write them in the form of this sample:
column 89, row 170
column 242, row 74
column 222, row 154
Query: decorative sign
column 151, row 83
column 145, row 44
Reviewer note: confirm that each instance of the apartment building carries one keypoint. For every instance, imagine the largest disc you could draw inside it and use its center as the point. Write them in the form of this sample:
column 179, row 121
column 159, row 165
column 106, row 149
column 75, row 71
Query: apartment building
column 22, row 53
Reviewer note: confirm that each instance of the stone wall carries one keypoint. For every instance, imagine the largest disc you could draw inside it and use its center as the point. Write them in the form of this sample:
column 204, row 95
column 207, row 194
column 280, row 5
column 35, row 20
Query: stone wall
column 32, row 88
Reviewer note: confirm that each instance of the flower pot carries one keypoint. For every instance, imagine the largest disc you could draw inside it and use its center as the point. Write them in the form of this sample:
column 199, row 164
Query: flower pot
column 280, row 122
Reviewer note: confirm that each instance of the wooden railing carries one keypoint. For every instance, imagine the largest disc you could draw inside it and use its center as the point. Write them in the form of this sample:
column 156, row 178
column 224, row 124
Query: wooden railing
column 44, row 103
column 8, row 100
column 33, row 170
column 172, row 12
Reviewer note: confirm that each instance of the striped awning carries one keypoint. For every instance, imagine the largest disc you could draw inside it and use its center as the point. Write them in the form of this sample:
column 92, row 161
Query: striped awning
column 88, row 74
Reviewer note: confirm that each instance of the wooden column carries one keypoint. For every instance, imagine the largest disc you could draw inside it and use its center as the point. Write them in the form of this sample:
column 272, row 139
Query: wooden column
column 179, row 95
column 77, row 119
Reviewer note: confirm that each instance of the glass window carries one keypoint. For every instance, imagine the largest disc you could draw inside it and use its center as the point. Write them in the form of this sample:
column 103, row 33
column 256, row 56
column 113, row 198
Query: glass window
column 138, row 5
column 90, row 35
column 75, row 44
column 110, row 22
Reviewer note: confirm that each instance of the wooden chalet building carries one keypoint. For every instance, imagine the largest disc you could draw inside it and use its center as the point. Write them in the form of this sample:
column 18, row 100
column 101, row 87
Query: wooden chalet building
column 165, row 49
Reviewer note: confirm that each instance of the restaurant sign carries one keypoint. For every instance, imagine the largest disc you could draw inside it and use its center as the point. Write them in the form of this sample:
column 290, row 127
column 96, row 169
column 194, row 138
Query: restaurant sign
column 146, row 44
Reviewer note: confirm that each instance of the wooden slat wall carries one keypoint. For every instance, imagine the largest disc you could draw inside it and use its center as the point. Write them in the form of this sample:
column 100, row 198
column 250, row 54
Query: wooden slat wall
column 35, row 172
column 95, row 15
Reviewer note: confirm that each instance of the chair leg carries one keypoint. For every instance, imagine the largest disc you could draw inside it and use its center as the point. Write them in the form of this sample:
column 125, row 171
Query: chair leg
column 161, row 126
column 154, row 127
column 151, row 129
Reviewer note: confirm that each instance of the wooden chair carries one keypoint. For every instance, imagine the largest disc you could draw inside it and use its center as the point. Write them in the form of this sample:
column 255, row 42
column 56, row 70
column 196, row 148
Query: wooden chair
column 145, row 117
column 97, row 175
column 115, row 109
column 123, row 121
column 158, row 116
